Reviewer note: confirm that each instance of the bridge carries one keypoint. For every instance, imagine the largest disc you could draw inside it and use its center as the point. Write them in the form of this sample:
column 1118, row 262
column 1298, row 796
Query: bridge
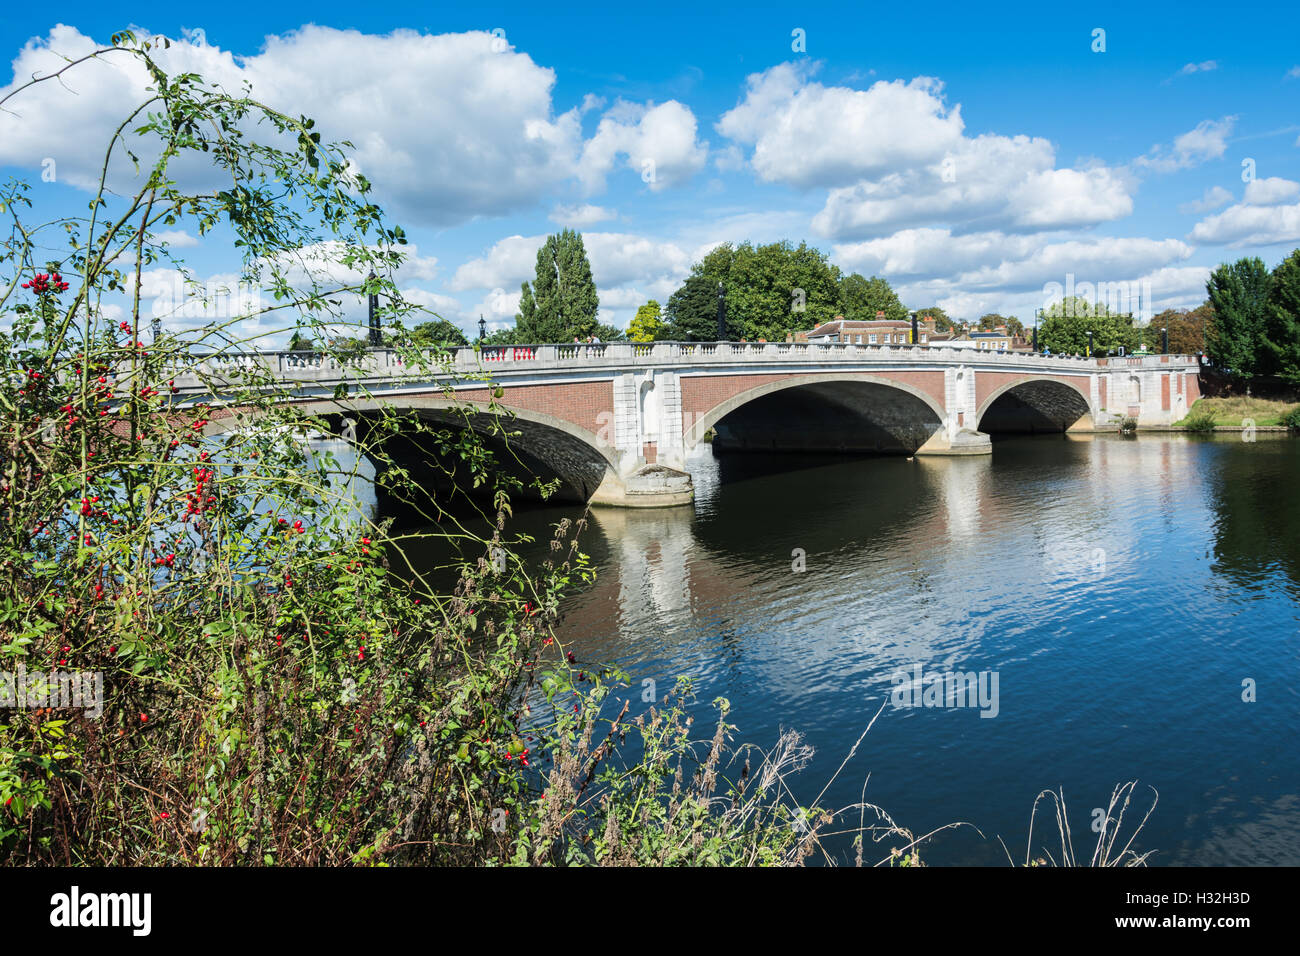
column 617, row 422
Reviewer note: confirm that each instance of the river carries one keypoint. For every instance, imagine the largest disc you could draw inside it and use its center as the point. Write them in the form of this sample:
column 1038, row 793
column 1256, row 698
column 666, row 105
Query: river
column 1136, row 600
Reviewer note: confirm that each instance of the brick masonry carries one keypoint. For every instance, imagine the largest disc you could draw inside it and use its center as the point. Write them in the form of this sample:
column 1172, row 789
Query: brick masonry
column 582, row 403
column 701, row 394
column 986, row 383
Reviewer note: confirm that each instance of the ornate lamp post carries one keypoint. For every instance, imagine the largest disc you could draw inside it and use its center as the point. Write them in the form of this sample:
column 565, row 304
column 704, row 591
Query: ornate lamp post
column 482, row 329
column 722, row 313
column 915, row 337
column 372, row 309
column 1090, row 343
column 1164, row 341
column 1037, row 315
column 156, row 328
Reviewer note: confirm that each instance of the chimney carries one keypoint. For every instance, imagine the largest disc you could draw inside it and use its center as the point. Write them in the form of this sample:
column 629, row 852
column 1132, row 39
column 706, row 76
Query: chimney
column 880, row 316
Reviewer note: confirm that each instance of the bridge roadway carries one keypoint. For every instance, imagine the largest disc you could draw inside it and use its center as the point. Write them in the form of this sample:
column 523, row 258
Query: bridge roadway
column 617, row 422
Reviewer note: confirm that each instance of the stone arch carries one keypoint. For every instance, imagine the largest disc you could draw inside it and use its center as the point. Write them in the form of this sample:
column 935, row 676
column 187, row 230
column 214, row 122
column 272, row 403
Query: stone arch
column 1041, row 403
column 585, row 462
column 697, row 429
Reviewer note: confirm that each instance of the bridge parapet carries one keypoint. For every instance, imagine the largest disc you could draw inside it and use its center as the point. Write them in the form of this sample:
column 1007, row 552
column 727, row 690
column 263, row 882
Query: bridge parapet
column 316, row 368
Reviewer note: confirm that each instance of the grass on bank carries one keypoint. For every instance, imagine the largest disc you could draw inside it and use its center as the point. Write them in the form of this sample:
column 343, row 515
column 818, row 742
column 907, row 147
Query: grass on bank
column 1232, row 410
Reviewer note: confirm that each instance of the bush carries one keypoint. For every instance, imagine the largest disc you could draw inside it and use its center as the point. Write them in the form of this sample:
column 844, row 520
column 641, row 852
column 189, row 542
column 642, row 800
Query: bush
column 1199, row 420
column 262, row 689
column 1292, row 419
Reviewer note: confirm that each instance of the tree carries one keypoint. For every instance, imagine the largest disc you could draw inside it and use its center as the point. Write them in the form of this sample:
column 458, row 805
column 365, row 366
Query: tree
column 691, row 312
column 1015, row 326
column 1234, row 341
column 863, row 299
column 991, row 320
column 1282, row 320
column 562, row 301
column 772, row 291
column 1066, row 325
column 647, row 325
column 437, row 332
column 298, row 342
column 1186, row 330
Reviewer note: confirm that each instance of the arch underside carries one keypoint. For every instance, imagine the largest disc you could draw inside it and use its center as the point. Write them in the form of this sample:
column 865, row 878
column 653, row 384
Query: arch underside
column 847, row 416
column 523, row 447
column 1040, row 405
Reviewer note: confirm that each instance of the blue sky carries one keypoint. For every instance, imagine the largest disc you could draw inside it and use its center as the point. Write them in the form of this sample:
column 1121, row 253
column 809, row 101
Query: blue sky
column 974, row 159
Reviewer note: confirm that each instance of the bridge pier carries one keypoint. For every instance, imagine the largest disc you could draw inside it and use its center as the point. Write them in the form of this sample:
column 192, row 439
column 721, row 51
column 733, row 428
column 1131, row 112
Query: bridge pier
column 648, row 486
column 964, row 441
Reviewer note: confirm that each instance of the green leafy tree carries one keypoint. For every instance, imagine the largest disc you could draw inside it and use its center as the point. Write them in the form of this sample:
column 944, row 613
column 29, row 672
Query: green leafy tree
column 692, row 311
column 562, row 302
column 301, row 342
column 772, row 291
column 648, row 324
column 437, row 332
column 1234, row 340
column 1282, row 320
column 1066, row 325
column 863, row 299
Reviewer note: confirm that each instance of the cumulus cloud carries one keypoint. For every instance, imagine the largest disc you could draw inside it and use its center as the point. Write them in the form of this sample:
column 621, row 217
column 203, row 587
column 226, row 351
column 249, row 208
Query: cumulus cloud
column 616, row 258
column 1249, row 225
column 448, row 127
column 1270, row 191
column 1205, row 66
column 895, row 156
column 799, row 129
column 657, row 142
column 934, row 263
column 1208, row 140
column 988, row 181
column 1214, row 197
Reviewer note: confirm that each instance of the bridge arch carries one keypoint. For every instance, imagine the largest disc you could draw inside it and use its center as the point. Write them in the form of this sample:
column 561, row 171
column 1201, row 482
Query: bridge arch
column 583, row 461
column 911, row 409
column 1033, row 403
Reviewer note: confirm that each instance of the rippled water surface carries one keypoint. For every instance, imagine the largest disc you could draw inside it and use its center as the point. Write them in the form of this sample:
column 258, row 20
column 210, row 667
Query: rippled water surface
column 1121, row 590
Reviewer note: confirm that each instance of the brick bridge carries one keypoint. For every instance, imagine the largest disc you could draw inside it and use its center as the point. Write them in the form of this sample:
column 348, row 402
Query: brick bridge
column 617, row 422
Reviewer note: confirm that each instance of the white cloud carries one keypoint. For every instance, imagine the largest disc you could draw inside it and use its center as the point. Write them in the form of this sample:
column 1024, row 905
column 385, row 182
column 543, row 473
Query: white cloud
column 895, row 156
column 447, row 127
column 987, row 182
column 576, row 217
column 1270, row 191
column 1175, row 287
column 509, row 262
column 998, row 271
column 657, row 142
column 1293, row 73
column 1204, row 66
column 1247, row 225
column 806, row 134
column 1214, row 197
column 487, row 143
column 1208, row 140
column 177, row 238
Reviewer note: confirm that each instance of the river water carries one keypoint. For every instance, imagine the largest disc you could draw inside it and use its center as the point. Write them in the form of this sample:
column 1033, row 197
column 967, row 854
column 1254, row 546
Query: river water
column 1136, row 600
